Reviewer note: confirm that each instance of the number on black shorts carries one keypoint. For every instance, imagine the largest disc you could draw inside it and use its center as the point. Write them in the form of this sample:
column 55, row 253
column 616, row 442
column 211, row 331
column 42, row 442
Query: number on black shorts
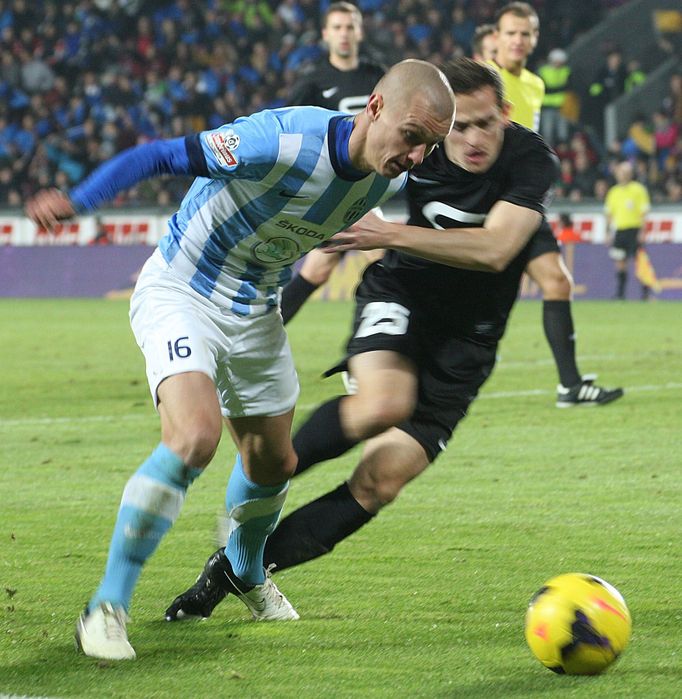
column 383, row 317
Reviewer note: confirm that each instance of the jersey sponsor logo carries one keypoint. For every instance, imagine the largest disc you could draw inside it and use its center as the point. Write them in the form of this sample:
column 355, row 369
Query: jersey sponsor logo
column 299, row 230
column 438, row 208
column 356, row 210
column 329, row 92
column 276, row 250
column 218, row 143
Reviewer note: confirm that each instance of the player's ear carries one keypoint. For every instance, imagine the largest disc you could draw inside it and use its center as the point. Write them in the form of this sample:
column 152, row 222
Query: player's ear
column 374, row 105
column 506, row 111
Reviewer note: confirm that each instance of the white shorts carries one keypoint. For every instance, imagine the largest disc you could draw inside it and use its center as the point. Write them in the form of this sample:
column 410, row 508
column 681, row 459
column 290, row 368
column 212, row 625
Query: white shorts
column 178, row 330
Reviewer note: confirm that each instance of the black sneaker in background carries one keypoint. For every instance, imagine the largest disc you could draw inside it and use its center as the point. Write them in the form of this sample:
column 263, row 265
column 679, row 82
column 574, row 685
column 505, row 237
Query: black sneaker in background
column 586, row 393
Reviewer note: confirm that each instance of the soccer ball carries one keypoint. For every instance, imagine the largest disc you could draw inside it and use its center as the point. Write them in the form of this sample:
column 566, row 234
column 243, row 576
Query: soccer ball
column 577, row 624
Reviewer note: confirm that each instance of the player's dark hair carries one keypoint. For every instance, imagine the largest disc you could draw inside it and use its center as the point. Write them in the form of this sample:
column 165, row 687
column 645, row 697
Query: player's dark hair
column 481, row 32
column 346, row 7
column 518, row 9
column 466, row 76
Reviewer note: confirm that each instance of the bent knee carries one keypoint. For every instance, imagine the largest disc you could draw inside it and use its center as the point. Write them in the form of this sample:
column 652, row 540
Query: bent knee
column 556, row 286
column 195, row 444
column 271, row 467
column 286, row 465
column 374, row 494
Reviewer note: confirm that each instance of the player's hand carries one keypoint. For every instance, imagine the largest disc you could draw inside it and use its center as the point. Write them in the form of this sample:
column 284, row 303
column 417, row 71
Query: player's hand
column 369, row 233
column 48, row 207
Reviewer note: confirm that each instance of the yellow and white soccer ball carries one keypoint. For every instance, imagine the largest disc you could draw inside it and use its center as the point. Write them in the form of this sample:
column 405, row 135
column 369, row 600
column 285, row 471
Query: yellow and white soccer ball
column 577, row 624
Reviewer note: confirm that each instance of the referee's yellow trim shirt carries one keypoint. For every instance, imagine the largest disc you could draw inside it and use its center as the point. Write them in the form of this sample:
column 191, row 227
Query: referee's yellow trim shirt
column 525, row 92
column 627, row 205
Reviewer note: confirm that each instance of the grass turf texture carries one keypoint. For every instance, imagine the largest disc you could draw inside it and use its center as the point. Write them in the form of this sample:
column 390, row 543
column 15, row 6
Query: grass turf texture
column 426, row 601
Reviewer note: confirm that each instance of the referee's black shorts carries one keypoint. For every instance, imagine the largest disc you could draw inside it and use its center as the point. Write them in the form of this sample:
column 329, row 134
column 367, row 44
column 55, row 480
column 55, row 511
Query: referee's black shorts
column 451, row 370
column 625, row 244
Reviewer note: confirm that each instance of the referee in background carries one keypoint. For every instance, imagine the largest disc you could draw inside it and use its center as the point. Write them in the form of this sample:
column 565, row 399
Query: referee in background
column 627, row 204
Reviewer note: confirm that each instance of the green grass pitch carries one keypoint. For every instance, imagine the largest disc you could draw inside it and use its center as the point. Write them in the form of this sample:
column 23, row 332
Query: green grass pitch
column 426, row 601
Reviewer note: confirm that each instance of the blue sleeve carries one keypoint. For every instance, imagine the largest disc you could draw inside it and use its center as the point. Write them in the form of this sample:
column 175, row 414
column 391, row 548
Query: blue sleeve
column 248, row 148
column 179, row 156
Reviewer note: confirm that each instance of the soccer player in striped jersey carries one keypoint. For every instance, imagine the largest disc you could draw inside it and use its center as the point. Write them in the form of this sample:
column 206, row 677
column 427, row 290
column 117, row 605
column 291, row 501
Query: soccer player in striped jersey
column 428, row 317
column 269, row 188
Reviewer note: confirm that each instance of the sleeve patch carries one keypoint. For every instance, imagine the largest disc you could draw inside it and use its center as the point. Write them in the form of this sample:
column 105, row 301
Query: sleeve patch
column 222, row 143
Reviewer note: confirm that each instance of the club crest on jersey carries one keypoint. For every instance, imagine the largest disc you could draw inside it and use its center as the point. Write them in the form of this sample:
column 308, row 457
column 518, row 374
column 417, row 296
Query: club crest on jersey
column 276, row 250
column 356, row 210
column 222, row 144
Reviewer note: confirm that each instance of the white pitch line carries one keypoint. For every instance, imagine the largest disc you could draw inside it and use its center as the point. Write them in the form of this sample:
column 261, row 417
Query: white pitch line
column 23, row 422
column 70, row 420
column 545, row 392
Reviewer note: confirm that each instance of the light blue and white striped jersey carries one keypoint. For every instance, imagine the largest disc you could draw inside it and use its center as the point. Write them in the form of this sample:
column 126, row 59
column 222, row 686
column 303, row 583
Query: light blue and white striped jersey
column 275, row 191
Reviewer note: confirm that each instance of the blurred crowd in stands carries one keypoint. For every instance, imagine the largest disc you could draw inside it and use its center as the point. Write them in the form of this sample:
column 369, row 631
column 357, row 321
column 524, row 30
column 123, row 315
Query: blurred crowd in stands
column 80, row 80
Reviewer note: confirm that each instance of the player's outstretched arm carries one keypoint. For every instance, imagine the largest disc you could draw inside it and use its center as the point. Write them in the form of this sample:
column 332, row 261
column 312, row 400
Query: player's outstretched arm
column 490, row 248
column 179, row 156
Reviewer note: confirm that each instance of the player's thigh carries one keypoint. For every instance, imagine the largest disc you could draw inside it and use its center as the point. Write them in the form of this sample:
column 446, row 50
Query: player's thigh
column 318, row 266
column 450, row 377
column 191, row 422
column 384, row 377
column 175, row 331
column 384, row 348
column 389, row 461
column 256, row 376
column 264, row 444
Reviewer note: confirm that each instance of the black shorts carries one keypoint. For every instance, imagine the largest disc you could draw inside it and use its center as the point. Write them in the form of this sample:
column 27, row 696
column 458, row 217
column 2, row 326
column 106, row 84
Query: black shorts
column 626, row 243
column 450, row 369
column 542, row 242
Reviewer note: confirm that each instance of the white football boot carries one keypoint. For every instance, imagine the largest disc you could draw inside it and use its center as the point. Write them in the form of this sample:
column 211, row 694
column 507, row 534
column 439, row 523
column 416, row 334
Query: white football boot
column 267, row 603
column 101, row 633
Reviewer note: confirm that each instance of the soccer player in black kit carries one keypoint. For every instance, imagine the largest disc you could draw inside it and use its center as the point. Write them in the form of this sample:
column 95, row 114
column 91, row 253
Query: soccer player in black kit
column 343, row 81
column 428, row 320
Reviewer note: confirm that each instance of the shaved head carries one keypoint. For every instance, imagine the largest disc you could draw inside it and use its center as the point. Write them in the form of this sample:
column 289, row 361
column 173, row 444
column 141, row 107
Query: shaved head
column 410, row 111
column 409, row 78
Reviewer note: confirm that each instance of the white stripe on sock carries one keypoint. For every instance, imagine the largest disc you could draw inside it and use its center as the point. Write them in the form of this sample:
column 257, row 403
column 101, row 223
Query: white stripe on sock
column 259, row 508
column 150, row 495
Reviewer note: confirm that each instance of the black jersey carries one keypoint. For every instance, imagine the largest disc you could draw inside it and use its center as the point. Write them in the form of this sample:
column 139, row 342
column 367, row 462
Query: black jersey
column 323, row 85
column 472, row 304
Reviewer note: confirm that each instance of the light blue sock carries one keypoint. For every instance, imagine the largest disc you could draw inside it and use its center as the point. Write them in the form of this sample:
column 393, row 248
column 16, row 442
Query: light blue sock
column 150, row 504
column 253, row 511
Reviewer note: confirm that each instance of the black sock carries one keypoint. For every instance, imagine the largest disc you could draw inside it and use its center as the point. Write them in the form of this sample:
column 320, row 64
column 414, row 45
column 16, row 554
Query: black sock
column 321, row 436
column 622, row 280
column 294, row 295
column 558, row 323
column 314, row 529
